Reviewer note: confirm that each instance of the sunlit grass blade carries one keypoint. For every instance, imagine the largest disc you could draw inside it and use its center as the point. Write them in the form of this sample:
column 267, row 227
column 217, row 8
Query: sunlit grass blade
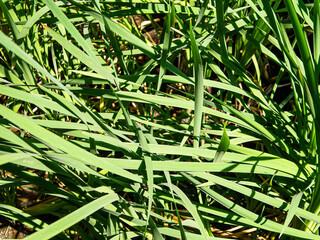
column 33, row 20
column 199, row 91
column 148, row 166
column 10, row 20
column 118, row 100
column 182, row 231
column 292, row 210
column 266, row 224
column 274, row 202
column 19, row 215
column 149, row 51
column 71, row 29
column 223, row 146
column 305, row 53
column 53, row 140
column 74, row 217
column 202, row 11
column 96, row 66
column 11, row 157
column 29, row 77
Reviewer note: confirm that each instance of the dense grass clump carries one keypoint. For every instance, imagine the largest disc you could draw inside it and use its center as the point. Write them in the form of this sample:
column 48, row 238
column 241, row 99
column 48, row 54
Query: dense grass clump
column 160, row 119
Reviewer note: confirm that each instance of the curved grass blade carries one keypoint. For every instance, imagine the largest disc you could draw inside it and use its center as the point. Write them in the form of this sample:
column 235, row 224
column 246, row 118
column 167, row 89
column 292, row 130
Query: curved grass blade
column 119, row 30
column 272, row 201
column 182, row 231
column 30, row 79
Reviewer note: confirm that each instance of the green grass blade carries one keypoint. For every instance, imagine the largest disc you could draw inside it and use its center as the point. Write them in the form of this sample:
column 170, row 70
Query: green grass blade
column 192, row 209
column 199, row 91
column 4, row 40
column 264, row 223
column 204, row 6
column 53, row 140
column 119, row 30
column 292, row 211
column 223, row 146
column 304, row 49
column 75, row 51
column 73, row 218
column 21, row 216
column 170, row 21
column 169, row 182
column 34, row 19
column 316, row 37
column 12, row 157
column 148, row 165
column 71, row 29
column 272, row 201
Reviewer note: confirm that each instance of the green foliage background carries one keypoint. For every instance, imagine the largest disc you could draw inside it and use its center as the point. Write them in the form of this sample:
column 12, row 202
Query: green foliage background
column 161, row 120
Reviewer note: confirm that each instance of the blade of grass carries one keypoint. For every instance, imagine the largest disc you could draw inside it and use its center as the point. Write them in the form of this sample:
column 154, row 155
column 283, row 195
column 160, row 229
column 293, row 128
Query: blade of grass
column 4, row 40
column 169, row 182
column 192, row 209
column 198, row 78
column 64, row 145
column 170, row 21
column 75, row 51
column 71, row 29
column 148, row 166
column 264, row 223
column 73, row 218
column 30, row 79
column 11, row 157
column 223, row 146
column 292, row 211
column 316, row 38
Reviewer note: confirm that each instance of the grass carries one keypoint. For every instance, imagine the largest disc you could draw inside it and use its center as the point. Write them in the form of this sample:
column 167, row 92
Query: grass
column 161, row 120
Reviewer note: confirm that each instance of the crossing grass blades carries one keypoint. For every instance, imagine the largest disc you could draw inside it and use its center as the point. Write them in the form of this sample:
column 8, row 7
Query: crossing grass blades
column 161, row 119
